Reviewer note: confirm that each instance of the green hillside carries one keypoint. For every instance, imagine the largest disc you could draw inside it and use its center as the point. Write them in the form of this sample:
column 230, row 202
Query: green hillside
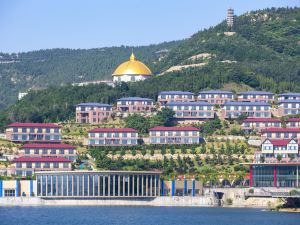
column 58, row 67
column 263, row 54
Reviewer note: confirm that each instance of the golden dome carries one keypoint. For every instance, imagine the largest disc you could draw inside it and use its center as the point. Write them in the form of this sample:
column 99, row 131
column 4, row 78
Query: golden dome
column 132, row 67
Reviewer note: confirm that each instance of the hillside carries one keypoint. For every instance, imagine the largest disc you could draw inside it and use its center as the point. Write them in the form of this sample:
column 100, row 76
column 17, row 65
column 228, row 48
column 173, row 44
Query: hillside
column 263, row 54
column 54, row 67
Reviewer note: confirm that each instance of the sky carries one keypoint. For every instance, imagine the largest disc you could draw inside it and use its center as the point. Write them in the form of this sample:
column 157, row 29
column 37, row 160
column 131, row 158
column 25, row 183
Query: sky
column 27, row 25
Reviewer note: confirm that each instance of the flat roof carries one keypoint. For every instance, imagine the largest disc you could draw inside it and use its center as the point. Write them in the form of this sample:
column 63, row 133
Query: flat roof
column 113, row 130
column 215, row 92
column 39, row 125
column 139, row 99
column 255, row 93
column 273, row 164
column 95, row 172
column 175, row 93
column 198, row 103
column 94, row 104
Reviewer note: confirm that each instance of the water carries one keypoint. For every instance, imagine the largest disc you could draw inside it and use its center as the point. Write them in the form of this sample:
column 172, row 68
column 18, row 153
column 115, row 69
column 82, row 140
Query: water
column 87, row 215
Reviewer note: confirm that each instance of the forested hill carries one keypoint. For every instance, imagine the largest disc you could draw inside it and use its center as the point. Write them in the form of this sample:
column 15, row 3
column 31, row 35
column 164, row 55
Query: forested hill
column 262, row 54
column 40, row 69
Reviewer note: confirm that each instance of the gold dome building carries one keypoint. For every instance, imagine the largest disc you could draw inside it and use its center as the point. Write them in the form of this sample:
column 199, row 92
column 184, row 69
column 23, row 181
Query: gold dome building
column 131, row 70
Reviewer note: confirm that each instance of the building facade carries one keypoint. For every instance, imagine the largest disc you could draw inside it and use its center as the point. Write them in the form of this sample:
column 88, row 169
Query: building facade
column 289, row 107
column 289, row 96
column 165, row 97
column 216, row 97
column 232, row 110
column 92, row 113
column 293, row 122
column 48, row 150
column 258, row 124
column 112, row 137
column 33, row 132
column 255, row 96
column 174, row 135
column 271, row 148
column 27, row 166
column 281, row 133
column 95, row 184
column 276, row 174
column 192, row 111
column 135, row 105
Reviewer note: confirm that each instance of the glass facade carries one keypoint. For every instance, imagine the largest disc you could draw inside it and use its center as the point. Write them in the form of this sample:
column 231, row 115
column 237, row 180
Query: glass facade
column 99, row 184
column 275, row 176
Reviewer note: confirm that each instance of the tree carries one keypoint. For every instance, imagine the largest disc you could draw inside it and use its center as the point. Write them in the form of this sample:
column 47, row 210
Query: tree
column 203, row 149
column 138, row 122
column 279, row 157
column 172, row 150
column 163, row 118
column 222, row 149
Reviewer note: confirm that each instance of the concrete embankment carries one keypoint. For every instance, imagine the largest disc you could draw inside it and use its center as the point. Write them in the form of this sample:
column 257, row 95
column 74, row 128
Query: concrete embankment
column 201, row 201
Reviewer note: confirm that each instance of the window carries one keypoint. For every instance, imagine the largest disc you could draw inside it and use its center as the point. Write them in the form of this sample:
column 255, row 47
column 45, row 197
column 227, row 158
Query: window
column 45, row 151
column 53, row 151
column 40, row 130
column 27, row 151
column 56, row 130
column 19, row 165
column 28, row 165
column 24, row 129
column 55, row 165
column 71, row 151
column 61, row 151
column 15, row 129
column 37, row 165
column 66, row 165
column 9, row 192
column 36, row 151
column 47, row 165
column 47, row 130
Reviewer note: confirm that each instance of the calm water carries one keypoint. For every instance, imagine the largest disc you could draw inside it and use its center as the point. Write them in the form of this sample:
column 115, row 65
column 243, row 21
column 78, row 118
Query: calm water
column 142, row 215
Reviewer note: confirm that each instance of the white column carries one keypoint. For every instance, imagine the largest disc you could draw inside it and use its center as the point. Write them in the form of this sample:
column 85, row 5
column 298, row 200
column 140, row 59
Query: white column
column 51, row 185
column 47, row 185
column 123, row 185
column 94, row 185
column 67, row 185
column 142, row 185
column 155, row 188
column 72, row 185
column 114, row 185
column 128, row 186
column 108, row 186
column 147, row 185
column 56, row 178
column 77, row 186
column 99, row 185
column 151, row 185
column 83, row 178
column 133, row 183
column 137, row 185
column 88, row 185
column 103, row 187
column 119, row 183
column 297, row 177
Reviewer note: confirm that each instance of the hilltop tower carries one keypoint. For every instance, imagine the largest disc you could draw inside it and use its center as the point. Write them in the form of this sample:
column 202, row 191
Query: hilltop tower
column 230, row 18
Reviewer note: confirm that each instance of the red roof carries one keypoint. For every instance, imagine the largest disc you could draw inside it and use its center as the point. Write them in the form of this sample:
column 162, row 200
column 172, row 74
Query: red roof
column 293, row 120
column 279, row 142
column 48, row 146
column 50, row 125
column 161, row 128
column 41, row 159
column 262, row 120
column 278, row 129
column 113, row 130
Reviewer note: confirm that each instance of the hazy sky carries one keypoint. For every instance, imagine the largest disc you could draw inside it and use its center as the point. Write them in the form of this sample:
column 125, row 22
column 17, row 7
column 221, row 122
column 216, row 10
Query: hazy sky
column 39, row 24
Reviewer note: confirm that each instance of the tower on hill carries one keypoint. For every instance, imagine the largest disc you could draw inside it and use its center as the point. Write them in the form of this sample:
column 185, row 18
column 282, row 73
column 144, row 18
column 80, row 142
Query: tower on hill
column 230, row 18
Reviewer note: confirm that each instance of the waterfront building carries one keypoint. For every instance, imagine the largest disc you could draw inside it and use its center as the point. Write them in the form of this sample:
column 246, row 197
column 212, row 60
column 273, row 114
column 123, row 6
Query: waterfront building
column 257, row 124
column 174, row 135
column 165, row 97
column 27, row 166
column 280, row 133
column 48, row 150
column 289, row 107
column 113, row 137
column 275, row 174
column 92, row 113
column 135, row 105
column 192, row 111
column 95, row 184
column 217, row 97
column 33, row 132
column 232, row 110
column 17, row 188
column 131, row 71
column 255, row 96
column 271, row 148
column 289, row 96
column 293, row 122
